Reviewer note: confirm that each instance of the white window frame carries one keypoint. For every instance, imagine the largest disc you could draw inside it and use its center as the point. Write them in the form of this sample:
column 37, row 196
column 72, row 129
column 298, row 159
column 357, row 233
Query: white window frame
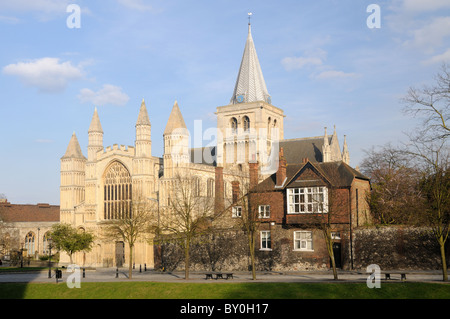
column 301, row 237
column 264, row 211
column 266, row 238
column 307, row 200
column 236, row 211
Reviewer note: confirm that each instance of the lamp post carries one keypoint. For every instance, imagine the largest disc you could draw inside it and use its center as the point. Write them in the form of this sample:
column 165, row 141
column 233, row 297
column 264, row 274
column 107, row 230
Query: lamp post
column 49, row 257
column 37, row 255
column 21, row 256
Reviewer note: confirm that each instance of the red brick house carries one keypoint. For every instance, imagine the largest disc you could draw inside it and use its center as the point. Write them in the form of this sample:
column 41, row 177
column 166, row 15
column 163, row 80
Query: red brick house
column 294, row 202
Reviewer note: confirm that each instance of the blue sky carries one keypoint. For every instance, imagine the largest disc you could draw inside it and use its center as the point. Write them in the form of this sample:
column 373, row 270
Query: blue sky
column 322, row 65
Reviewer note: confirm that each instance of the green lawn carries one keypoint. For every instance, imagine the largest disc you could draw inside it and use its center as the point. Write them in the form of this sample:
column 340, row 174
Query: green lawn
column 152, row 290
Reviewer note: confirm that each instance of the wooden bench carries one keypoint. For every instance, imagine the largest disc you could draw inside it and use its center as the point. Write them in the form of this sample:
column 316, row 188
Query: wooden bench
column 387, row 275
column 220, row 275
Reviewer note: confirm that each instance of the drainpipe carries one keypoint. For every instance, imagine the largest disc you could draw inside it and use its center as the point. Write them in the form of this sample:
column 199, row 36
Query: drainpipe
column 351, row 228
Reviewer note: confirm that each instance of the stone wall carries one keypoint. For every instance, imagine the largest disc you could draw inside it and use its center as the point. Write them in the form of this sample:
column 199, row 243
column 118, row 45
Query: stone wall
column 396, row 247
column 389, row 247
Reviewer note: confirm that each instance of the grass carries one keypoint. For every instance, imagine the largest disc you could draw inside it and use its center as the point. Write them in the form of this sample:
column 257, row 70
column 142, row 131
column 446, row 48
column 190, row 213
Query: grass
column 153, row 290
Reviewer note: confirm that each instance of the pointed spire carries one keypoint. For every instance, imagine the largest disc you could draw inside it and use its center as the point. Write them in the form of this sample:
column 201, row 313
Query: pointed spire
column 325, row 147
column 95, row 123
column 74, row 149
column 175, row 120
column 143, row 115
column 250, row 85
column 345, row 152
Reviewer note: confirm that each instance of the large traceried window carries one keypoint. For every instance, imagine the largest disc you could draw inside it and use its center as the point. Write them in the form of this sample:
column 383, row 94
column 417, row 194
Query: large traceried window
column 117, row 192
column 307, row 200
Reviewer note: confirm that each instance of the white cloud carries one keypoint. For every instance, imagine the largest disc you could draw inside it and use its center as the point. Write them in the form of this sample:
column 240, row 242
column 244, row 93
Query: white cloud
column 46, row 6
column 332, row 74
column 432, row 34
column 9, row 20
column 314, row 58
column 46, row 74
column 444, row 57
column 136, row 5
column 108, row 94
column 424, row 6
column 292, row 63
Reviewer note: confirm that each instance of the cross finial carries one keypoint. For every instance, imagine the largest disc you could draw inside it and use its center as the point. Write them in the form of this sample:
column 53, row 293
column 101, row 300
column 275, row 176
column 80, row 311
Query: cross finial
column 249, row 17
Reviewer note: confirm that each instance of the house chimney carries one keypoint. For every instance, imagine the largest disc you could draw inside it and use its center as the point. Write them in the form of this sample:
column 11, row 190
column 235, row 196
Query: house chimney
column 219, row 203
column 235, row 188
column 305, row 160
column 253, row 167
column 281, row 172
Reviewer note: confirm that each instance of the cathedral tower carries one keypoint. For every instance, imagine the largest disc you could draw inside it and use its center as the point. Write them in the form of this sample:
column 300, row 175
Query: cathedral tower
column 250, row 125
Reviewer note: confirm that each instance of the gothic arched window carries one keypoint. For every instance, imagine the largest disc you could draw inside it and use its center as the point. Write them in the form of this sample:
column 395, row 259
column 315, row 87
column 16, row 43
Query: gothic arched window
column 234, row 125
column 29, row 243
column 117, row 192
column 210, row 187
column 246, row 122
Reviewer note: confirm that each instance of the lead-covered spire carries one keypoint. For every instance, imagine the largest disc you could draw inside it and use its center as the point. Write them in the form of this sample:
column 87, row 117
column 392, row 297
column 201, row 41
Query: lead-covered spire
column 250, row 85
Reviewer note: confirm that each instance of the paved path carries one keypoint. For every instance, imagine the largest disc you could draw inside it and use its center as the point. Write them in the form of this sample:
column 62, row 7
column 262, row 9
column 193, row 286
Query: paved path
column 109, row 275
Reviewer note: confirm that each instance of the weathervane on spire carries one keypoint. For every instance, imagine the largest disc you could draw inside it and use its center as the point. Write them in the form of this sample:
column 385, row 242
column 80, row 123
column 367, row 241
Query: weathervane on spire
column 249, row 17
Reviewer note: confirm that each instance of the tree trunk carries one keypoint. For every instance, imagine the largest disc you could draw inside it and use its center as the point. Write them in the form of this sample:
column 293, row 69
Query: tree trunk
column 329, row 242
column 443, row 259
column 130, row 262
column 251, row 243
column 186, row 259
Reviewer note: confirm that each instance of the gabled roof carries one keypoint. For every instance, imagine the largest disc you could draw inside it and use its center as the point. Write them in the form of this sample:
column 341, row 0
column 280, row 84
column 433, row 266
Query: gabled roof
column 338, row 174
column 175, row 121
column 74, row 149
column 250, row 81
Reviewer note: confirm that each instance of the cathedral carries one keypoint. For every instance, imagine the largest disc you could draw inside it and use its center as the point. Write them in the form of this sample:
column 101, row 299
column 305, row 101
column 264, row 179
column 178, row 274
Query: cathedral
column 103, row 185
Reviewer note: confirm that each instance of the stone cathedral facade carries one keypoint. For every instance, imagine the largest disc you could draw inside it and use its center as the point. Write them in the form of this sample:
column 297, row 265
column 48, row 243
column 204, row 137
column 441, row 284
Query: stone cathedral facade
column 103, row 185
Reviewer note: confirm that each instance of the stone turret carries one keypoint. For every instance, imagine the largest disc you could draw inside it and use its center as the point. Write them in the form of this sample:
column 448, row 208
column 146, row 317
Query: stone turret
column 176, row 143
column 72, row 188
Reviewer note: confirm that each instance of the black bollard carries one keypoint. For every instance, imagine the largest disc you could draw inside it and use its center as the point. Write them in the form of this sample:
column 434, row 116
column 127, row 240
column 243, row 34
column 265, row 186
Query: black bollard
column 145, row 267
column 140, row 268
column 133, row 265
column 117, row 272
column 84, row 273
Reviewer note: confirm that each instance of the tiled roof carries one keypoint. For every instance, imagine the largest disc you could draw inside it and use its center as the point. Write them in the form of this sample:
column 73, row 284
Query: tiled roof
column 297, row 149
column 29, row 213
column 339, row 174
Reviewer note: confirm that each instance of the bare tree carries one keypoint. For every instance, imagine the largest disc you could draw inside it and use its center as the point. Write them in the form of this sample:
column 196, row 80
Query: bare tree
column 433, row 159
column 432, row 103
column 139, row 225
column 429, row 147
column 188, row 214
column 395, row 194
